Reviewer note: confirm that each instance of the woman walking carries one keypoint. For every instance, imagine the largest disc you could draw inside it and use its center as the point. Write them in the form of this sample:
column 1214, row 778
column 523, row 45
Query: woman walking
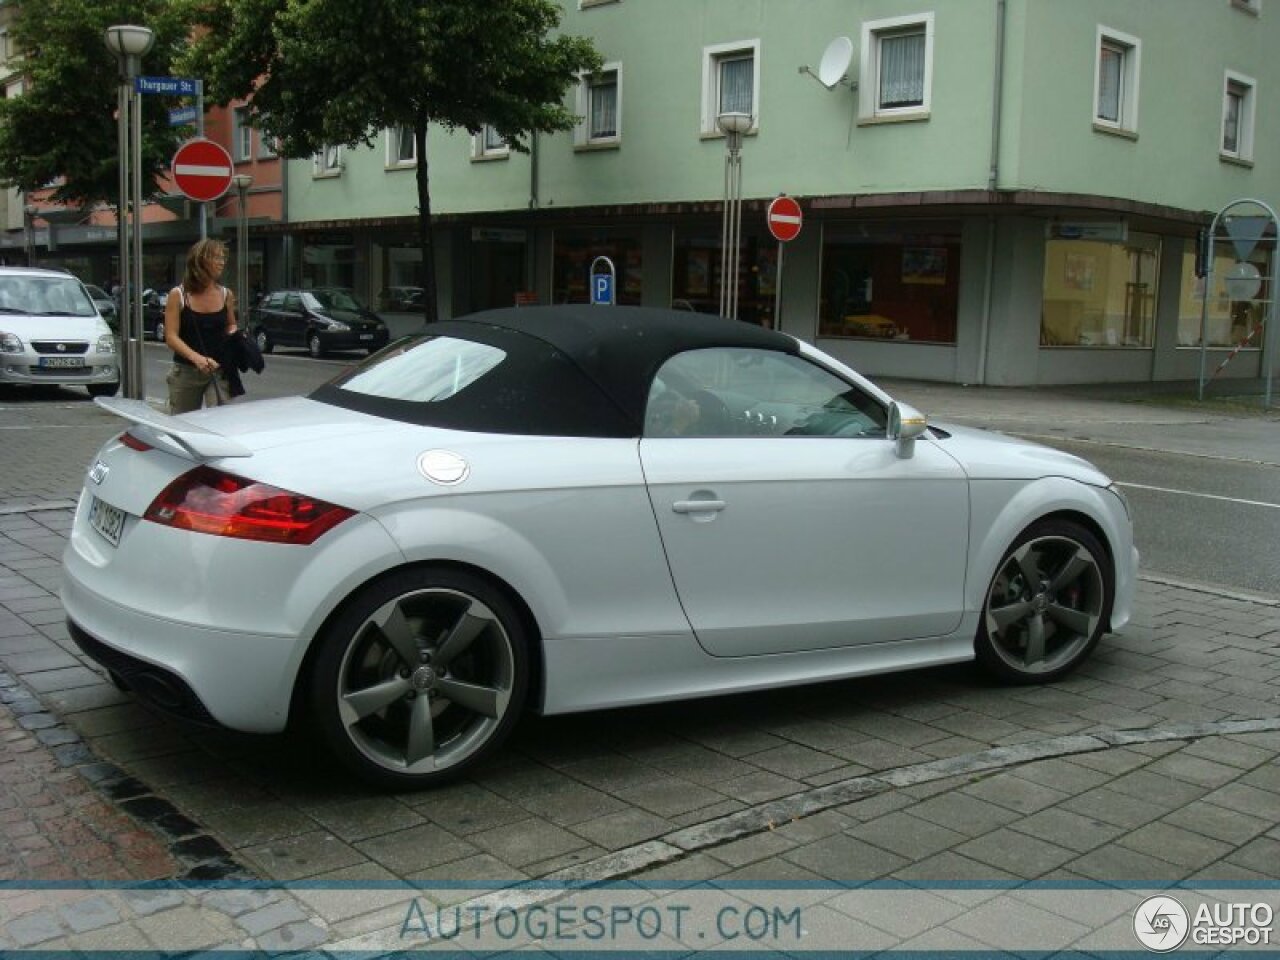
column 198, row 318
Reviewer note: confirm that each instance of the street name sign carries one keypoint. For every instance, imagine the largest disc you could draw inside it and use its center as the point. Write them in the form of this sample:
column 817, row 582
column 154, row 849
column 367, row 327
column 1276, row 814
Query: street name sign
column 202, row 169
column 182, row 116
column 785, row 219
column 173, row 86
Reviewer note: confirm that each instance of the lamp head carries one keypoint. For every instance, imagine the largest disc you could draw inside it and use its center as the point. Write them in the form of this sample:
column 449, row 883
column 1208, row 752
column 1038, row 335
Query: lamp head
column 129, row 41
column 241, row 181
column 734, row 121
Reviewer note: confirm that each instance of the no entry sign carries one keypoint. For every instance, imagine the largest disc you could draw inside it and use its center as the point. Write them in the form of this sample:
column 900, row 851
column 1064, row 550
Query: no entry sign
column 785, row 219
column 202, row 169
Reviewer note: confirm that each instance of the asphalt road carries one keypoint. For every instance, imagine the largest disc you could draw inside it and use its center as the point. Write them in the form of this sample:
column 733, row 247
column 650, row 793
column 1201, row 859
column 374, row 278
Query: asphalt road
column 1201, row 518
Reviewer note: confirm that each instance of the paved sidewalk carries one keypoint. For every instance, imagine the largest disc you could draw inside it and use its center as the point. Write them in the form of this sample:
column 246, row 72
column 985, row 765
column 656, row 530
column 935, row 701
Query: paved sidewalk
column 1157, row 762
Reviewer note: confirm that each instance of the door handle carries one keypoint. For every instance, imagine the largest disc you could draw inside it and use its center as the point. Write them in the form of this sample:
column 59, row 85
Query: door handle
column 698, row 506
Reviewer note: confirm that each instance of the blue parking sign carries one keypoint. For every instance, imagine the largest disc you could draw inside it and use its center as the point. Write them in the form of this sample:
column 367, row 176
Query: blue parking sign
column 602, row 289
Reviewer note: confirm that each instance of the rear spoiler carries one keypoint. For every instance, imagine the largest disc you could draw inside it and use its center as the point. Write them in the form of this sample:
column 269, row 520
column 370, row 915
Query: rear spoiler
column 173, row 433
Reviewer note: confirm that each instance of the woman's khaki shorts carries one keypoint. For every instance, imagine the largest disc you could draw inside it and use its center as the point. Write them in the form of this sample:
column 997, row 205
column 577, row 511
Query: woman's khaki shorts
column 190, row 389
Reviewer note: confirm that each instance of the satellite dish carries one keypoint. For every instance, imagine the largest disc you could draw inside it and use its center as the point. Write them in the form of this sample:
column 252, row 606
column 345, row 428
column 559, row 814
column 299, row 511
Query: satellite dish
column 835, row 61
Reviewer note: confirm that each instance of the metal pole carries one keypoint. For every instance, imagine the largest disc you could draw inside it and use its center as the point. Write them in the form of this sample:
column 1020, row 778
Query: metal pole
column 725, row 220
column 1204, row 306
column 135, row 343
column 737, row 233
column 777, row 291
column 1269, row 344
column 122, row 230
column 242, row 259
column 203, row 209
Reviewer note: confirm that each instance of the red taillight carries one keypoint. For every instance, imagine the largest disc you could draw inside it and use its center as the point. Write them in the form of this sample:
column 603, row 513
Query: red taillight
column 133, row 443
column 210, row 501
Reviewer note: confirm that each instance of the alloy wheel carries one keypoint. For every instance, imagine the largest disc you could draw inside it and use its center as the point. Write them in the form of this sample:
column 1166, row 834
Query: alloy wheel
column 426, row 681
column 1046, row 606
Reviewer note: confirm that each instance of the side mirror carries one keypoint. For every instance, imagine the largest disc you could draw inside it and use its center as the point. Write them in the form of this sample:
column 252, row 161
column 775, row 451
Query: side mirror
column 905, row 424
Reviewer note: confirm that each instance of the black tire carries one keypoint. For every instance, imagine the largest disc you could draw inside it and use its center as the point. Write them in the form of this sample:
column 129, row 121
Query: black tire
column 104, row 389
column 1047, row 605
column 408, row 725
column 264, row 342
column 314, row 346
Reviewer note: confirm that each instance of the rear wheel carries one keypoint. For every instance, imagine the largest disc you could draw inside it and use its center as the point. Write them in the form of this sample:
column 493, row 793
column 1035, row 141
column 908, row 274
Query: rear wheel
column 422, row 676
column 160, row 330
column 1047, row 605
column 264, row 342
column 314, row 346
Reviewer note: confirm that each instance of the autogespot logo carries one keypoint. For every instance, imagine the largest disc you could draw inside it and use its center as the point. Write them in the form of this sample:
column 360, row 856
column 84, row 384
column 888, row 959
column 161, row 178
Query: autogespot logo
column 1161, row 924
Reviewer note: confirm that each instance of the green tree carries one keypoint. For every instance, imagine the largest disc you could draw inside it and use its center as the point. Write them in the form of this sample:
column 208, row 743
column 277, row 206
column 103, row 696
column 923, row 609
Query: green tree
column 62, row 130
column 338, row 72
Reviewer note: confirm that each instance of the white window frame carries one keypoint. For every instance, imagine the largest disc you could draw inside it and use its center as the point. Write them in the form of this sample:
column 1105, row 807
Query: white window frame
column 873, row 33
column 1130, row 80
column 328, row 162
column 712, row 57
column 1245, row 122
column 582, row 131
column 482, row 149
column 394, row 160
column 242, row 134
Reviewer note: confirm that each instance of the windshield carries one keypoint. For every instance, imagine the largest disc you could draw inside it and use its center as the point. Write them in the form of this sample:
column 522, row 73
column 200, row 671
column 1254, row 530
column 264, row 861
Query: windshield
column 45, row 296
column 332, row 300
column 425, row 371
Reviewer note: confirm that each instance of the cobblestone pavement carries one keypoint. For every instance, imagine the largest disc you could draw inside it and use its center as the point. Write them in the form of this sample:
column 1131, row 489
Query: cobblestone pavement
column 1157, row 762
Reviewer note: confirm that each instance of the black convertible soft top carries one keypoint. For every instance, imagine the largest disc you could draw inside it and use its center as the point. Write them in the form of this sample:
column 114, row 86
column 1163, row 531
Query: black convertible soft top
column 570, row 370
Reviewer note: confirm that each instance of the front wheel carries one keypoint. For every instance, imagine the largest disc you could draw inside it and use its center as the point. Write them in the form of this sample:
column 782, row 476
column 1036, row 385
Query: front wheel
column 1047, row 605
column 104, row 389
column 314, row 346
column 423, row 675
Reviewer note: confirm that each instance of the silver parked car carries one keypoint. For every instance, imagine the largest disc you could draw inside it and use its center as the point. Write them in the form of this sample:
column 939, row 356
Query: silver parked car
column 565, row 509
column 52, row 333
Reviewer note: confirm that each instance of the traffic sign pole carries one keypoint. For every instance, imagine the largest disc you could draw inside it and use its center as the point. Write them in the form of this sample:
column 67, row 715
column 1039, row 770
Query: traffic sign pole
column 785, row 219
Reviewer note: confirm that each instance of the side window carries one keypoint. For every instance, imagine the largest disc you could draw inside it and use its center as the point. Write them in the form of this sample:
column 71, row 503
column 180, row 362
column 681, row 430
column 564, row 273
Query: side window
column 734, row 392
column 274, row 301
column 293, row 302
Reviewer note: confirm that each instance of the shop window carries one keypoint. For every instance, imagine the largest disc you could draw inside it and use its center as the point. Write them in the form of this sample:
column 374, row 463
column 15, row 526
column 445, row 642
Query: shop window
column 600, row 106
column 1100, row 293
column 696, row 273
column 883, row 283
column 1237, row 117
column 1116, row 81
column 328, row 261
column 575, row 249
column 897, row 67
column 730, row 83
column 1227, row 322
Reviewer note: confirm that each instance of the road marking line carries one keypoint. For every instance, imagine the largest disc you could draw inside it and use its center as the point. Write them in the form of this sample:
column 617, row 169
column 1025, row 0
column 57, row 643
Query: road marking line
column 1193, row 493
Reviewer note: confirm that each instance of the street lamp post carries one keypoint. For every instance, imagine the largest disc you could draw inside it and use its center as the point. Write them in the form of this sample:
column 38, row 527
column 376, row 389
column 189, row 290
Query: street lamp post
column 130, row 44
column 29, row 232
column 733, row 124
column 242, row 182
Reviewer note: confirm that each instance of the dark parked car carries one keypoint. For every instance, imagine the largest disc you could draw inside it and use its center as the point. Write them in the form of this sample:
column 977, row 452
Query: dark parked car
column 106, row 306
column 321, row 319
column 402, row 299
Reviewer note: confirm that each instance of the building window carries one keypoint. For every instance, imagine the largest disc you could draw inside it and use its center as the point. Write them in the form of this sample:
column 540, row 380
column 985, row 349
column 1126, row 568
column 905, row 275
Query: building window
column 1227, row 322
column 600, row 106
column 1237, row 117
column 401, row 150
column 489, row 145
column 730, row 83
column 881, row 282
column 1100, row 293
column 242, row 134
column 328, row 162
column 896, row 76
column 266, row 146
column 1116, row 81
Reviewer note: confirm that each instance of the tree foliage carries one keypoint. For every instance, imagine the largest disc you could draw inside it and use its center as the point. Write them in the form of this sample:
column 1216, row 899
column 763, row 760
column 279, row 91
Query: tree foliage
column 62, row 129
column 338, row 72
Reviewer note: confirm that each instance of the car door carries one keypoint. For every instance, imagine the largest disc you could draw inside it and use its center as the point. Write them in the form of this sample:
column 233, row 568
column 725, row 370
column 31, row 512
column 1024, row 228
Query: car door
column 789, row 520
column 293, row 321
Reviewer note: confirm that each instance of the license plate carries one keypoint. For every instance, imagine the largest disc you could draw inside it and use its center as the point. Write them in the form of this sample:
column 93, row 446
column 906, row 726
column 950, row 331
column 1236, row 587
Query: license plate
column 366, row 336
column 107, row 520
column 61, row 362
